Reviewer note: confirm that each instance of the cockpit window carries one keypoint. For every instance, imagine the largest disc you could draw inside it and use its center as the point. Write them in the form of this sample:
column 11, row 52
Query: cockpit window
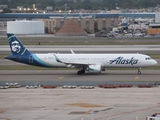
column 147, row 58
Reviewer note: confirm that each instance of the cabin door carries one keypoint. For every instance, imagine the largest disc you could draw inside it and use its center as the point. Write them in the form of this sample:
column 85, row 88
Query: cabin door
column 30, row 59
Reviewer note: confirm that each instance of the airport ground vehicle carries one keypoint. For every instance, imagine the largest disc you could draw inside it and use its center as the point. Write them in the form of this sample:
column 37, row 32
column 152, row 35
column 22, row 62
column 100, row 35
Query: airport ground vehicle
column 155, row 116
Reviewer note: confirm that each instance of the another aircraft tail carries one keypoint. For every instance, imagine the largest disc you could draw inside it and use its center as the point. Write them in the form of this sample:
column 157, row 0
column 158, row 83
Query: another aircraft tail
column 16, row 46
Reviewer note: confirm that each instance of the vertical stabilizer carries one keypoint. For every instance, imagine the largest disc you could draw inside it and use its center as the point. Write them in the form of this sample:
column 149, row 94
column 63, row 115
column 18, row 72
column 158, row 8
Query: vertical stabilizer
column 16, row 46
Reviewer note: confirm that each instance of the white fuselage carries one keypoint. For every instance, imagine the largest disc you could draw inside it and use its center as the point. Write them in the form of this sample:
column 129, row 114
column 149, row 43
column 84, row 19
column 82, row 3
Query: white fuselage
column 105, row 60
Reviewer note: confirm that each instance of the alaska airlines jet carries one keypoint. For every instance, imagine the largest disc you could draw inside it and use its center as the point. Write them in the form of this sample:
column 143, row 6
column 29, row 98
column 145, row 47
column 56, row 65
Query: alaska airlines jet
column 93, row 63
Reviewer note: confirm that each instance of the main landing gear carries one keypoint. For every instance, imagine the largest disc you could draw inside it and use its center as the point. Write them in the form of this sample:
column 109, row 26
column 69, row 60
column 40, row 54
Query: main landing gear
column 139, row 72
column 80, row 72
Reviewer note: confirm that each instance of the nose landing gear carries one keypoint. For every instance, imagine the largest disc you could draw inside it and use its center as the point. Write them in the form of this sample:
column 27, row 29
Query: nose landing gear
column 139, row 72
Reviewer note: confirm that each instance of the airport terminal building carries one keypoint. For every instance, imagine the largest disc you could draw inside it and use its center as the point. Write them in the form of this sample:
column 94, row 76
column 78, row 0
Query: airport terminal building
column 90, row 22
column 91, row 25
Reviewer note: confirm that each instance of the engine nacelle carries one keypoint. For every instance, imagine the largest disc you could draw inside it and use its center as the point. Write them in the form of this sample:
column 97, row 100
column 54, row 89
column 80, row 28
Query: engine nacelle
column 94, row 68
column 70, row 66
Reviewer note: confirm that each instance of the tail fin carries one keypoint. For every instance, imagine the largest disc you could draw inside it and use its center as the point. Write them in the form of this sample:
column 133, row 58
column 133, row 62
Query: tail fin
column 16, row 46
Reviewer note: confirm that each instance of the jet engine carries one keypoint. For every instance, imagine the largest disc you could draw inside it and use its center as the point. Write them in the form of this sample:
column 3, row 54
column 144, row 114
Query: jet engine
column 94, row 68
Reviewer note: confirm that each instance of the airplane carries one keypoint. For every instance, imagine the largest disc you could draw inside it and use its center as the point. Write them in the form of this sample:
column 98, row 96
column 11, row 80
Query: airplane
column 93, row 63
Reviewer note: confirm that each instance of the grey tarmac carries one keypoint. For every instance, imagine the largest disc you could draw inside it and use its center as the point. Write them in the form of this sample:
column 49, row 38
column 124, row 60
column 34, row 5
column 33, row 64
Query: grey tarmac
column 79, row 104
column 69, row 77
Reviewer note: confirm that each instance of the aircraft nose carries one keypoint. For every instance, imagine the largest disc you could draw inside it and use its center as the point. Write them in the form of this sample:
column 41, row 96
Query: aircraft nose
column 154, row 62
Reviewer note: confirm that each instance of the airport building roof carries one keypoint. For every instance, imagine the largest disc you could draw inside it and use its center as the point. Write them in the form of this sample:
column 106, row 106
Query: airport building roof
column 71, row 28
column 97, row 15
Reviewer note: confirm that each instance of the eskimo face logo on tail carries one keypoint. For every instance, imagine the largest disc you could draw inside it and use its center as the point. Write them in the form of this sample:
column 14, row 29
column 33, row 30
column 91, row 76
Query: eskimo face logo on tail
column 121, row 60
column 15, row 46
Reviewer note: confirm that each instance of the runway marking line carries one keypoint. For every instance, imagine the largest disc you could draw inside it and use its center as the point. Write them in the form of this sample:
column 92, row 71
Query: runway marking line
column 85, row 105
column 61, row 77
column 39, row 71
column 87, row 112
column 137, row 77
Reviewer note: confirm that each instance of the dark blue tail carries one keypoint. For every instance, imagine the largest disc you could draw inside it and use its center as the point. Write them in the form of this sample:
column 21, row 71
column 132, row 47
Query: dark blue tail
column 16, row 46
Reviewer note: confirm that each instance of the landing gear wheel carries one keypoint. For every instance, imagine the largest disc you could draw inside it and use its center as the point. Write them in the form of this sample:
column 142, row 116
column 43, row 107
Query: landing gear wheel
column 139, row 72
column 83, row 71
column 80, row 72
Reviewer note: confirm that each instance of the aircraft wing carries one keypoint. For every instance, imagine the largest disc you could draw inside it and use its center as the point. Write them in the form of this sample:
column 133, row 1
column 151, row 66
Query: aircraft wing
column 74, row 64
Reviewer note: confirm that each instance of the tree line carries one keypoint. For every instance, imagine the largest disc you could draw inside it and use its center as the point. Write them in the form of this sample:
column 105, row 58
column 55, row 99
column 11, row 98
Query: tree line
column 82, row 4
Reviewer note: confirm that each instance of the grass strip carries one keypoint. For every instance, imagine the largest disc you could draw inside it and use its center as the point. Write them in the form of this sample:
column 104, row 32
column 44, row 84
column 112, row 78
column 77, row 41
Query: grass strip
column 26, row 67
column 83, row 41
